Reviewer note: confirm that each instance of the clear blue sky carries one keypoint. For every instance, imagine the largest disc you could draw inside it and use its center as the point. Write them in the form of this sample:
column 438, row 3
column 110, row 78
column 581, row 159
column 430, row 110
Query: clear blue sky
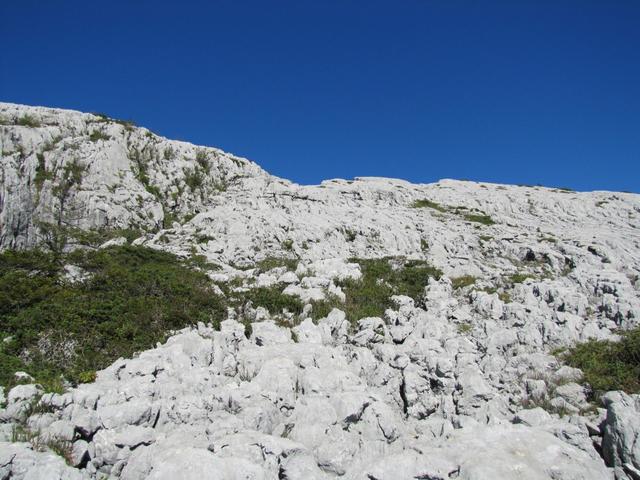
column 510, row 91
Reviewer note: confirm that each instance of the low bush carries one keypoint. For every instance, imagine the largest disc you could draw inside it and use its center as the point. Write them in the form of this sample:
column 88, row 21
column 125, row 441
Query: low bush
column 28, row 121
column 381, row 278
column 463, row 281
column 609, row 365
column 518, row 277
column 478, row 217
column 273, row 299
column 129, row 299
column 193, row 178
column 169, row 153
column 270, row 263
column 483, row 219
column 202, row 157
column 464, row 328
column 97, row 135
column 425, row 203
column 287, row 245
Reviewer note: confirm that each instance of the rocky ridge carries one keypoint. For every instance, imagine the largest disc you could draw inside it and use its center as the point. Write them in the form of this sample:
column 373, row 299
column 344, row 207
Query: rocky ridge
column 458, row 383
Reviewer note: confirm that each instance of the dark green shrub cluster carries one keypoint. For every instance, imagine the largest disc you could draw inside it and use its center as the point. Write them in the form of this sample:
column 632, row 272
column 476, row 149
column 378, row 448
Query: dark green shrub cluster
column 270, row 263
column 381, row 278
column 273, row 299
column 193, row 178
column 42, row 174
column 97, row 135
column 96, row 237
column 464, row 328
column 169, row 153
column 518, row 277
column 28, row 121
column 350, row 235
column 129, row 299
column 202, row 158
column 478, row 217
column 425, row 203
column 483, row 219
column 287, row 245
column 609, row 365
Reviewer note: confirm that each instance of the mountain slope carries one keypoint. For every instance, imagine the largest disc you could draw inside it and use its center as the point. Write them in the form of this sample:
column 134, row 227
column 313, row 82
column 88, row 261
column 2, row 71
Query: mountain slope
column 446, row 379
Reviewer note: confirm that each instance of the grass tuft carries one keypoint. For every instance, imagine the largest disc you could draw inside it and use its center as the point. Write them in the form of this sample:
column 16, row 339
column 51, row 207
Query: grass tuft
column 463, row 281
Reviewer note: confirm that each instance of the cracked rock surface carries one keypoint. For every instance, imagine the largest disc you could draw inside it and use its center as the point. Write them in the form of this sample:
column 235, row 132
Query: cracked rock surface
column 458, row 383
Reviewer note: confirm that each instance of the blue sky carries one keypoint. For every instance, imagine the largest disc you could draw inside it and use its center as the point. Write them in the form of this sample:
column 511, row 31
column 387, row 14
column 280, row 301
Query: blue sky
column 540, row 92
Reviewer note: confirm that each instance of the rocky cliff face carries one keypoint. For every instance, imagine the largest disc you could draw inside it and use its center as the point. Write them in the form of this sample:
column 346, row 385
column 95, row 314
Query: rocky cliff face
column 449, row 384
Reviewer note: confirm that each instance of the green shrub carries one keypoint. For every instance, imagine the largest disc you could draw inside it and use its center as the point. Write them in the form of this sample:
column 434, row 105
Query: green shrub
column 153, row 190
column 350, row 235
column 202, row 158
column 98, row 135
column 371, row 295
column 203, row 238
column 425, row 203
column 270, row 263
column 609, row 365
column 95, row 237
column 193, row 178
column 132, row 297
column 322, row 308
column 483, row 219
column 28, row 121
column 464, row 328
column 287, row 245
column 273, row 299
column 518, row 277
column 42, row 174
column 87, row 377
column 169, row 153
column 463, row 281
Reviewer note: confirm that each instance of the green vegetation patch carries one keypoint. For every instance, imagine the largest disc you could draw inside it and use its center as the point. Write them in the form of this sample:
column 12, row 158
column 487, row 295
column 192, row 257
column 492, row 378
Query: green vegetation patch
column 426, row 203
column 609, row 365
column 42, row 174
column 381, row 278
column 478, row 217
column 273, row 299
column 193, row 178
column 463, row 281
column 464, row 328
column 270, row 263
column 97, row 135
column 129, row 298
column 287, row 245
column 28, row 121
column 483, row 219
column 519, row 277
column 202, row 158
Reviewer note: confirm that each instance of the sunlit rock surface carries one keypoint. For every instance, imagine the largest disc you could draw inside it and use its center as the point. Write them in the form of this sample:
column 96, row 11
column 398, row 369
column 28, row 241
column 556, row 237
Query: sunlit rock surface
column 449, row 386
